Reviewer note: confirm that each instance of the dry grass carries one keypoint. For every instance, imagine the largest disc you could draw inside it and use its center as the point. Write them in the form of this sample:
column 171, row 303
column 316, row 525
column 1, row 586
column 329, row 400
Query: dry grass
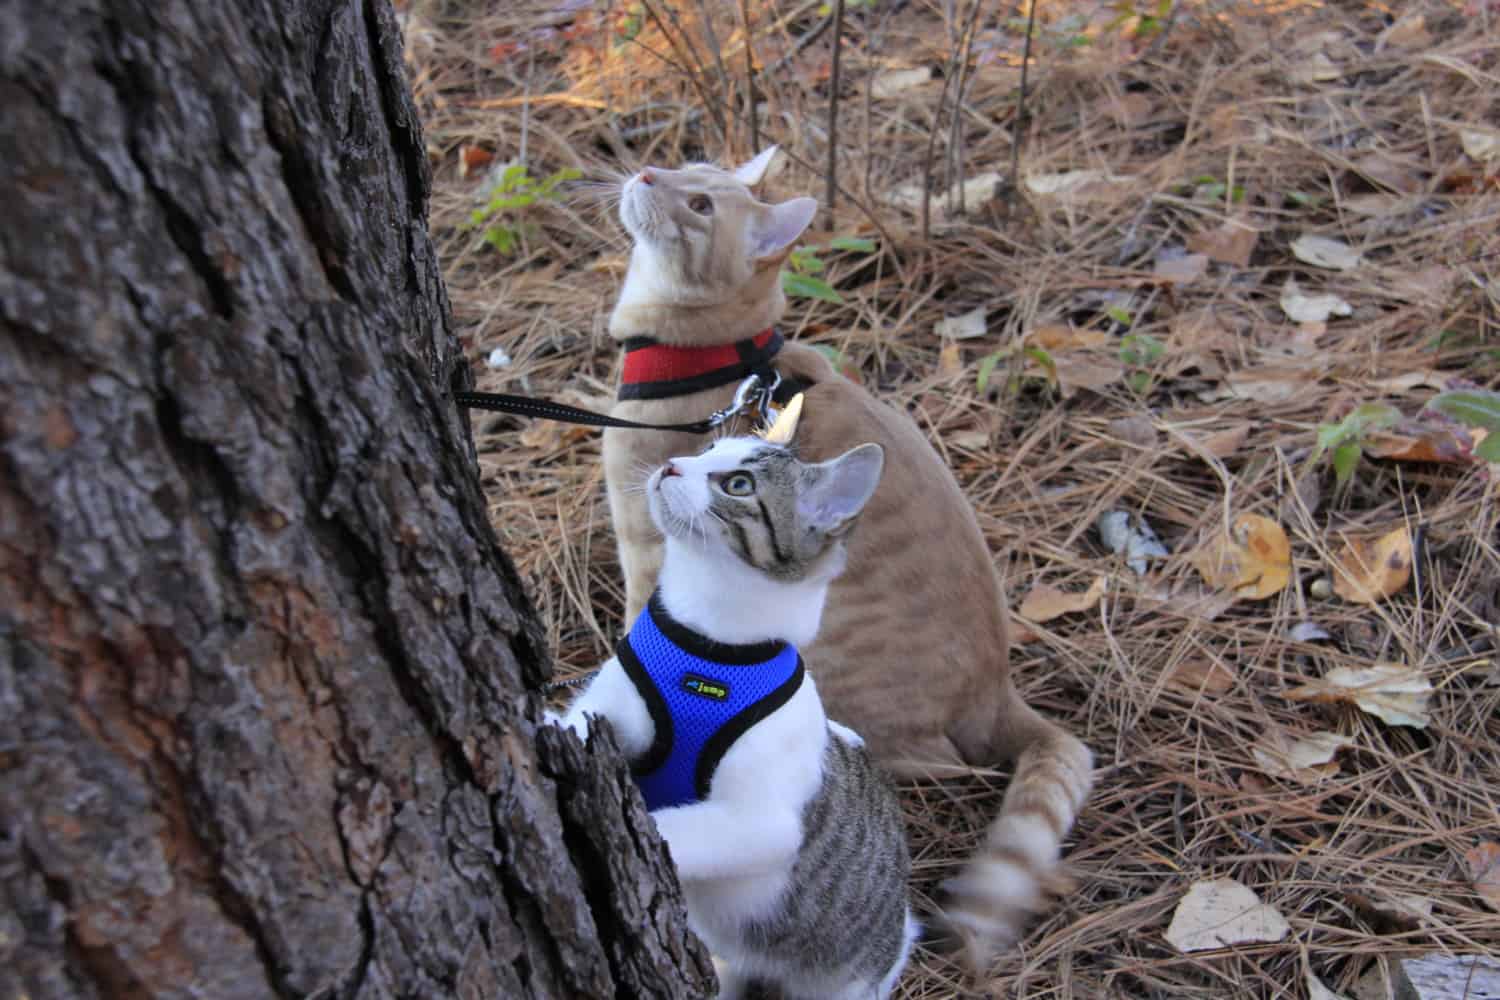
column 1364, row 147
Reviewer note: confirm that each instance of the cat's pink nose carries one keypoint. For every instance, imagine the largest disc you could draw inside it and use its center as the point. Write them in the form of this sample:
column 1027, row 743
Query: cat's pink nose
column 647, row 179
column 669, row 470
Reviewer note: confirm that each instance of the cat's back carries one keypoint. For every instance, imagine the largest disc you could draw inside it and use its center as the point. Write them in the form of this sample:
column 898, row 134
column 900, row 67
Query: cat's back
column 919, row 588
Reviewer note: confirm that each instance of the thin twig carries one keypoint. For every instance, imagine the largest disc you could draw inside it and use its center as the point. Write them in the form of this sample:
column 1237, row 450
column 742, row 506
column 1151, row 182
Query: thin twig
column 833, row 110
column 715, row 111
column 937, row 116
column 1018, row 129
column 750, row 103
column 955, row 135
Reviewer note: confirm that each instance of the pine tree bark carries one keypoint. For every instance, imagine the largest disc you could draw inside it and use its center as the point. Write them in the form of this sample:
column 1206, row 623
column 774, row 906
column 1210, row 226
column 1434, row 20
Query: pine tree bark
column 268, row 723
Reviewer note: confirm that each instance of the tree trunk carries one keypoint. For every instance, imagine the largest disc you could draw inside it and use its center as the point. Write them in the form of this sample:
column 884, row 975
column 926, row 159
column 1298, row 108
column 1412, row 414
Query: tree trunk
column 268, row 723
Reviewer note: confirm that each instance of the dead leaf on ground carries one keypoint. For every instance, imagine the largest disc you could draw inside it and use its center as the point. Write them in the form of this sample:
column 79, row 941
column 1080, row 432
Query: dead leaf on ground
column 1263, row 385
column 1055, row 337
column 1201, row 674
column 1409, row 32
column 950, row 359
column 1230, row 243
column 1398, row 384
column 1480, row 143
column 1365, row 571
column 891, row 82
column 1411, row 443
column 1139, row 431
column 1395, row 694
column 472, row 158
column 1387, row 170
column 1483, row 862
column 1221, row 912
column 1222, row 444
column 1071, row 185
column 1324, row 252
column 1046, row 602
column 963, row 327
column 1308, row 759
column 1181, row 270
column 1301, row 307
column 1316, row 68
column 1402, row 910
column 1254, row 559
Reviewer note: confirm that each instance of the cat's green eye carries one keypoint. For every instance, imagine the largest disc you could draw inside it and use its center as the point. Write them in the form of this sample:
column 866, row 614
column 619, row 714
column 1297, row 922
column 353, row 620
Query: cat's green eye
column 740, row 484
column 702, row 204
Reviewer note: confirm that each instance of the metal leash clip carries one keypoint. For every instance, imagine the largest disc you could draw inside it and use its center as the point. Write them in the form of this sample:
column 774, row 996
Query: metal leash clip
column 752, row 394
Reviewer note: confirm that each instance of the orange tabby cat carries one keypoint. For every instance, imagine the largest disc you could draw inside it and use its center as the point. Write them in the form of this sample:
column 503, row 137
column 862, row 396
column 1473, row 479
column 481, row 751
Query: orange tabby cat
column 913, row 651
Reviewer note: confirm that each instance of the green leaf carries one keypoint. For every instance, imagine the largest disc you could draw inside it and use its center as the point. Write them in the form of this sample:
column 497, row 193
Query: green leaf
column 1139, row 382
column 1489, row 448
column 802, row 286
column 1118, row 314
column 804, row 260
column 1345, row 458
column 986, row 369
column 854, row 243
column 1372, row 417
column 1141, row 349
column 833, row 354
column 1475, row 407
column 1044, row 359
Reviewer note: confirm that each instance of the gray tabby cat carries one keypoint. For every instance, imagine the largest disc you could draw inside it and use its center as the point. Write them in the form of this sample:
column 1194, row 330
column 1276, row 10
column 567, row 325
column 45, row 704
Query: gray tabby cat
column 788, row 841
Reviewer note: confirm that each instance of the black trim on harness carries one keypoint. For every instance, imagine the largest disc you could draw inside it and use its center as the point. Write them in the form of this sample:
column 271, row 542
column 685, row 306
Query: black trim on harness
column 719, row 743
column 705, row 648
column 656, row 704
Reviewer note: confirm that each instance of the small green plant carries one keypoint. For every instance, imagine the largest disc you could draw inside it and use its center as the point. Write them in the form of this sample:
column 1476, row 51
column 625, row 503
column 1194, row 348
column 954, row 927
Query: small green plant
column 514, row 192
column 1146, row 19
column 1065, row 33
column 1345, row 440
column 1207, row 187
column 1138, row 352
column 1040, row 355
column 802, row 280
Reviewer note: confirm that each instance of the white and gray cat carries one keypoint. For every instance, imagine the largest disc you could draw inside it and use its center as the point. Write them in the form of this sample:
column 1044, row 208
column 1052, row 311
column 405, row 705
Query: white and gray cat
column 788, row 841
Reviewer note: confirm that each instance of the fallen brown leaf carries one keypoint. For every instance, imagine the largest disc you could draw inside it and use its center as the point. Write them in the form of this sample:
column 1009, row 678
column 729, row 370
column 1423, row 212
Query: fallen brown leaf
column 1411, row 444
column 1483, row 861
column 1230, row 243
column 1046, row 602
column 1199, row 673
column 1222, row 444
column 1366, row 571
column 1392, row 693
column 471, row 158
column 950, row 359
column 1054, row 337
column 1308, row 759
column 1222, row 912
column 1254, row 559
column 1181, row 270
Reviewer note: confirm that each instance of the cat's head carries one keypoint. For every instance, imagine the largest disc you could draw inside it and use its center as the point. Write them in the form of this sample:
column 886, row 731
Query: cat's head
column 754, row 501
column 701, row 235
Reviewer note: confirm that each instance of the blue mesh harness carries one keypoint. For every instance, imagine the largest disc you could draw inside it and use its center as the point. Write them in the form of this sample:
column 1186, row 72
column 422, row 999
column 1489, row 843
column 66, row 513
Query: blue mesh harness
column 702, row 695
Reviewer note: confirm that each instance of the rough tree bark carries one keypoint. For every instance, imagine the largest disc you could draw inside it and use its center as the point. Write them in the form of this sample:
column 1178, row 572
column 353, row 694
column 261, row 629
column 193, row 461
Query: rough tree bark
column 267, row 721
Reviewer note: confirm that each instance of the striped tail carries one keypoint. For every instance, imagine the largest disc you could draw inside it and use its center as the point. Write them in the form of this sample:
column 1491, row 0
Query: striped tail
column 1009, row 879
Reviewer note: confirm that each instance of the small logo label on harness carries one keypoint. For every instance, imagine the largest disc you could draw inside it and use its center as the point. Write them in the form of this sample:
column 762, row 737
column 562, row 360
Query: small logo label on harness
column 693, row 684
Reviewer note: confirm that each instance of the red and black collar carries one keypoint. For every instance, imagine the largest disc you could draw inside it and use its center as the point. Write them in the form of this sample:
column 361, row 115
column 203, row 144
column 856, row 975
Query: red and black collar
column 659, row 371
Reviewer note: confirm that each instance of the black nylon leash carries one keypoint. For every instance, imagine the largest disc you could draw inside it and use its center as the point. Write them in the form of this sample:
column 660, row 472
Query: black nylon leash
column 753, row 393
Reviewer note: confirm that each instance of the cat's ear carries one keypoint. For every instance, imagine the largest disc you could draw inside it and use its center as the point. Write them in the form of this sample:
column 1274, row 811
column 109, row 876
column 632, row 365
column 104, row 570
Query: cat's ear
column 841, row 489
column 777, row 227
column 750, row 172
